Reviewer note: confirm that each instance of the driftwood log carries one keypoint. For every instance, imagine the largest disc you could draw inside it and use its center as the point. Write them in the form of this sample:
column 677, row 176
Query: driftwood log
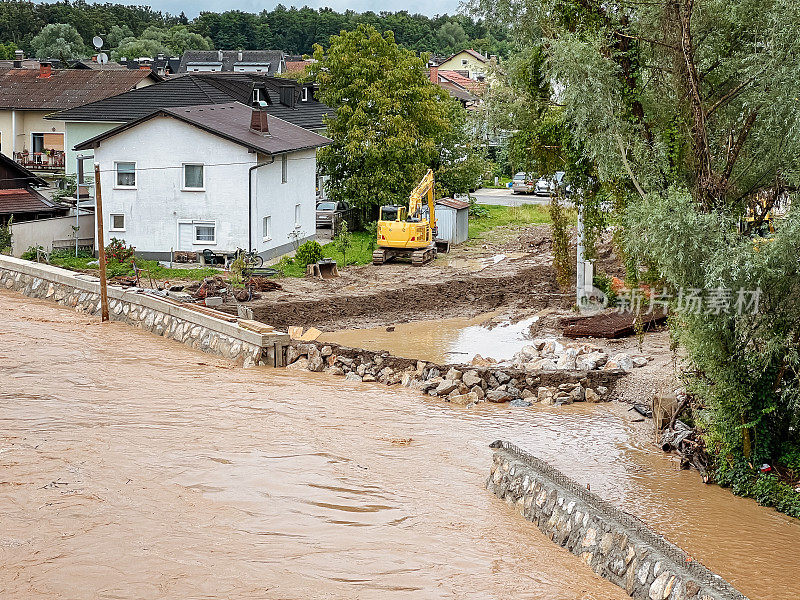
column 683, row 440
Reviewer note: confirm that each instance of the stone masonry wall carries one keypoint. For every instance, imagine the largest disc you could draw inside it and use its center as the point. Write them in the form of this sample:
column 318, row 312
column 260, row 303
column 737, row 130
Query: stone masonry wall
column 150, row 313
column 615, row 545
column 458, row 384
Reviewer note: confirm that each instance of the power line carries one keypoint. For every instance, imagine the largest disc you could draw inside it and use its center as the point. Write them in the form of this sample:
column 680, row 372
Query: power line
column 161, row 168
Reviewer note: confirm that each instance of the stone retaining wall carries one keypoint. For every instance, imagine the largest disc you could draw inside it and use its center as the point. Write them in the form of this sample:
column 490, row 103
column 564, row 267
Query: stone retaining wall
column 161, row 317
column 458, row 384
column 614, row 544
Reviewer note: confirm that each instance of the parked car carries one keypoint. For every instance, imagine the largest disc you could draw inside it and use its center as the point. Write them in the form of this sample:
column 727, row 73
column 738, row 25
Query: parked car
column 331, row 213
column 548, row 185
column 522, row 184
column 543, row 187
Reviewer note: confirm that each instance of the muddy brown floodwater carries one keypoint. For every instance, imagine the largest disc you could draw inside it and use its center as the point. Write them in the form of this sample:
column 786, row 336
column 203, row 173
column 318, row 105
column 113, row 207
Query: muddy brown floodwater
column 134, row 467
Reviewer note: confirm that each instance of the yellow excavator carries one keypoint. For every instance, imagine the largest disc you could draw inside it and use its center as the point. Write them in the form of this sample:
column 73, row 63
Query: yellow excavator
column 409, row 232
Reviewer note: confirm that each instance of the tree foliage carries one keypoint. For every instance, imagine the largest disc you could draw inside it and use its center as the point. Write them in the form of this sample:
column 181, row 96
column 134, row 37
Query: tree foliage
column 294, row 30
column 59, row 40
column 173, row 41
column 683, row 115
column 389, row 119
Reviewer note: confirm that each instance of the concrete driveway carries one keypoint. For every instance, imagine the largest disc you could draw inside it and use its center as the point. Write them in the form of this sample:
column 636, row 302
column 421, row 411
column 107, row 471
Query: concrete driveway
column 504, row 197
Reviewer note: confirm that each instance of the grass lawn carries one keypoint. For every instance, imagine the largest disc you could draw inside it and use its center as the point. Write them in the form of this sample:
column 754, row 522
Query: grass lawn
column 156, row 270
column 513, row 216
column 360, row 253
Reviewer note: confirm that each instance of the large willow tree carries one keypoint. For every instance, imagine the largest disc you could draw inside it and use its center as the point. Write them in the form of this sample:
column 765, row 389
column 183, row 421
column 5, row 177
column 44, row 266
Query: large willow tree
column 689, row 110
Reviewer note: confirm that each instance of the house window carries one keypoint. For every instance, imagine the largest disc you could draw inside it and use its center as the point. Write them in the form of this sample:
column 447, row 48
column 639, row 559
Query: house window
column 117, row 222
column 126, row 174
column 304, row 97
column 464, row 62
column 267, row 228
column 193, row 177
column 284, row 168
column 256, row 96
column 205, row 233
column 297, row 215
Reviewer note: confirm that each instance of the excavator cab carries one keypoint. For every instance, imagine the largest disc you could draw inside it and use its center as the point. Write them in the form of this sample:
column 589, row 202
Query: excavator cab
column 393, row 213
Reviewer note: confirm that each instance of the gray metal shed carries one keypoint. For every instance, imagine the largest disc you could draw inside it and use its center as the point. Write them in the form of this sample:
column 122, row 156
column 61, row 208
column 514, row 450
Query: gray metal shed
column 452, row 220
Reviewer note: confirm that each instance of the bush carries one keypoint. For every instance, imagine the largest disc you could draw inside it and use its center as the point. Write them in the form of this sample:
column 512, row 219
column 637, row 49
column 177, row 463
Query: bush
column 32, row 252
column 118, row 251
column 309, row 252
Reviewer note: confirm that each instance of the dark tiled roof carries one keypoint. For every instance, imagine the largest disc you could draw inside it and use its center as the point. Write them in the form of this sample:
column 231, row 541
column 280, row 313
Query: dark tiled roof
column 25, row 200
column 65, row 88
column 203, row 88
column 231, row 57
column 232, row 122
column 135, row 104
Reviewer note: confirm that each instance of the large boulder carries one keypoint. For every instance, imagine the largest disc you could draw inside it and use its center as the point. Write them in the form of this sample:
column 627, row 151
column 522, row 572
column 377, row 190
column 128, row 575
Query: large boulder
column 567, row 361
column 591, row 361
column 453, row 374
column 446, row 386
column 552, row 348
column 544, row 364
column 498, row 396
column 471, row 378
column 299, row 364
column 620, row 361
column 463, row 399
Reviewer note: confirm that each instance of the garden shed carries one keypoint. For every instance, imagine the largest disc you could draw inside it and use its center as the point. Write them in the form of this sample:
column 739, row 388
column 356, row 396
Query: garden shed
column 452, row 220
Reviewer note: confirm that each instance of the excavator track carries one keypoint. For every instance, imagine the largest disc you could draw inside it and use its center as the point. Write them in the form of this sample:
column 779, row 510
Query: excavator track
column 379, row 256
column 425, row 255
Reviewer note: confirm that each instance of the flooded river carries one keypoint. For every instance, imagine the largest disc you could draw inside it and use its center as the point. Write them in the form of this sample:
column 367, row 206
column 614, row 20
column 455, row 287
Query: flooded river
column 134, row 467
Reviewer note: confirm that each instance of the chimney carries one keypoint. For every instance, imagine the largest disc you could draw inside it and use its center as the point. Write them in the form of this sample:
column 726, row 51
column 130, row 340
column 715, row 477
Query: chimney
column 258, row 119
column 45, row 70
column 160, row 56
column 239, row 56
column 434, row 74
column 219, row 55
column 19, row 55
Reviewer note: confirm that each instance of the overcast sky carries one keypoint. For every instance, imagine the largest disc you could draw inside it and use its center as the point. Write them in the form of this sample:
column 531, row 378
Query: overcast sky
column 193, row 7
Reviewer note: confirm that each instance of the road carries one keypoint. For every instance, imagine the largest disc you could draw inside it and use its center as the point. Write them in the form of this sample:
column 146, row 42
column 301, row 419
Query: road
column 504, row 197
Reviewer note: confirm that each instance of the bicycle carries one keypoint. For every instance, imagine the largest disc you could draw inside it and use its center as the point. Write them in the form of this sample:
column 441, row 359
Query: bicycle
column 252, row 260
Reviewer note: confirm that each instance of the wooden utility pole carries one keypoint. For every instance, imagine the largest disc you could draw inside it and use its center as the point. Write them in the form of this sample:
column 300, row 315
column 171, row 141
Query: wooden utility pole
column 98, row 197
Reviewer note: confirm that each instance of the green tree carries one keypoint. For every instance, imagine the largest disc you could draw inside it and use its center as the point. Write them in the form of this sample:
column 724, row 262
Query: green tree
column 680, row 111
column 59, row 40
column 389, row 119
column 7, row 51
column 343, row 241
column 451, row 38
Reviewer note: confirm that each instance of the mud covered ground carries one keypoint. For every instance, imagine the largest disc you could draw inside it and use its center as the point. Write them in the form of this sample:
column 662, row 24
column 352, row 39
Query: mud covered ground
column 509, row 270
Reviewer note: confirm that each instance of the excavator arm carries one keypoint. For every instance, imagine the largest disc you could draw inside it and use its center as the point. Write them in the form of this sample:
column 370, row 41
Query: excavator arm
column 423, row 189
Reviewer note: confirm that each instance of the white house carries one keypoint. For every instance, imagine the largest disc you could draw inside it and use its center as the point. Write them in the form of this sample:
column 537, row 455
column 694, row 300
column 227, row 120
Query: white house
column 220, row 176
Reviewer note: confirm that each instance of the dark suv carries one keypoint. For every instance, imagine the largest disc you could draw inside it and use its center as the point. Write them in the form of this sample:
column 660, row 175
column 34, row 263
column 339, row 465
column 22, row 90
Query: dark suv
column 330, row 214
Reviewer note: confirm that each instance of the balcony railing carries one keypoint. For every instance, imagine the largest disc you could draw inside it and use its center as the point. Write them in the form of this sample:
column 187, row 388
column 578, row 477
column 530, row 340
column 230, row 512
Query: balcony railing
column 41, row 161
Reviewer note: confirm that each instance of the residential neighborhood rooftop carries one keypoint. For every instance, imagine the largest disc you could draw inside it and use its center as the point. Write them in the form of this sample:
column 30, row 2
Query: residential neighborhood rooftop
column 228, row 59
column 59, row 89
column 232, row 122
column 203, row 88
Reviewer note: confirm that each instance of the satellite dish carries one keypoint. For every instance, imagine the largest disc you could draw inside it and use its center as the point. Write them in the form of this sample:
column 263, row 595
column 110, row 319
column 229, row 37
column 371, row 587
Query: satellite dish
column 97, row 41
column 102, row 58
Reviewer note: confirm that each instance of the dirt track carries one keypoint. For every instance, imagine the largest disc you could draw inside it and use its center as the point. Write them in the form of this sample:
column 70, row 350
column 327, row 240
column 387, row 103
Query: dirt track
column 471, row 280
